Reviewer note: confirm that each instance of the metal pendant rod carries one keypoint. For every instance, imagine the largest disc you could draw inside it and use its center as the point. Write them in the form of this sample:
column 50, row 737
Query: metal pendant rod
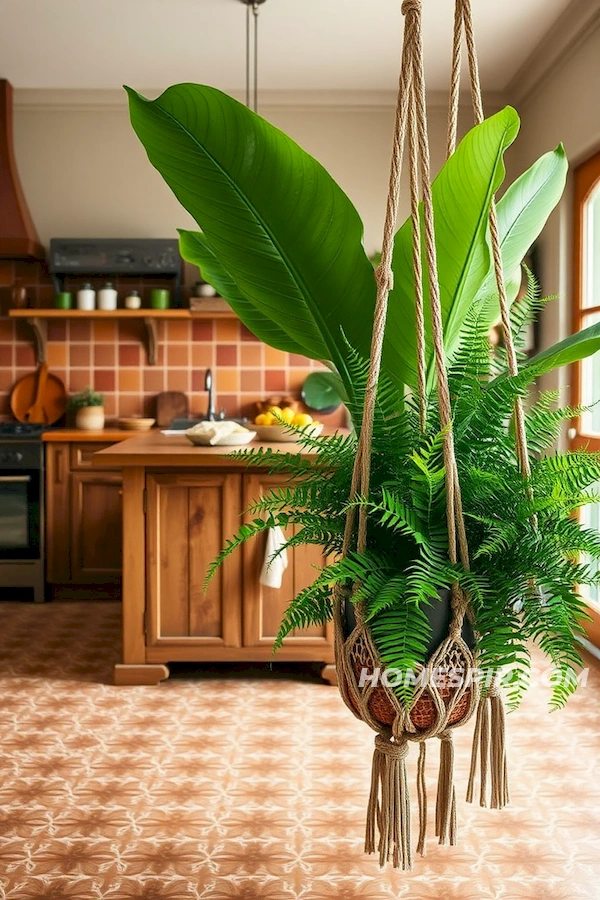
column 252, row 7
column 248, row 56
column 255, row 13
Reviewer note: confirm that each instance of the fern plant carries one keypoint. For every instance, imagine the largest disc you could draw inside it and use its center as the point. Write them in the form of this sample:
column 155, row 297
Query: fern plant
column 528, row 554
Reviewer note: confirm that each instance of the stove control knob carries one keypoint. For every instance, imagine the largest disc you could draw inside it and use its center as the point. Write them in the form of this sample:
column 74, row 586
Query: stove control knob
column 11, row 457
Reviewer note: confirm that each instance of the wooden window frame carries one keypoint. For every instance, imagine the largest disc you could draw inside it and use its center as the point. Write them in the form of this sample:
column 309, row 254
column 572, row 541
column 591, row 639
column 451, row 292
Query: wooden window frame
column 586, row 179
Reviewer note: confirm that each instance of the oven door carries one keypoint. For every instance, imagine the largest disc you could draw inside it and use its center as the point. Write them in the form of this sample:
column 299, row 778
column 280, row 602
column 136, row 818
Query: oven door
column 20, row 514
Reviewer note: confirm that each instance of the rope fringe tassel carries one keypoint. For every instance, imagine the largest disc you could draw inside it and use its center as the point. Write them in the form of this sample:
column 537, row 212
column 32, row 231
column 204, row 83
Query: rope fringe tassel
column 489, row 745
column 389, row 805
column 445, row 808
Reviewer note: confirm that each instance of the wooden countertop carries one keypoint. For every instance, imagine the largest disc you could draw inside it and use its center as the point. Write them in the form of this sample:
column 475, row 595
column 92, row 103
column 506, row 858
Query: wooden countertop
column 68, row 435
column 155, row 450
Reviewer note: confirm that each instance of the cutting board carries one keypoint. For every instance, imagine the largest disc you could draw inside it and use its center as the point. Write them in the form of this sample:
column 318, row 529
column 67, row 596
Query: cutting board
column 171, row 405
column 52, row 399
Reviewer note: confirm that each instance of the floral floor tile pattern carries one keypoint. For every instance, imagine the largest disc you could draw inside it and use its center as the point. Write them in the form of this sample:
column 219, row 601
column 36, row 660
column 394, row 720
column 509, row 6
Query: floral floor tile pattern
column 253, row 788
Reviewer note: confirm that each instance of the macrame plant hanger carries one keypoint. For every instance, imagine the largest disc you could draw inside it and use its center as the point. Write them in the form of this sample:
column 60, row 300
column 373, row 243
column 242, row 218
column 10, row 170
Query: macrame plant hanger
column 435, row 710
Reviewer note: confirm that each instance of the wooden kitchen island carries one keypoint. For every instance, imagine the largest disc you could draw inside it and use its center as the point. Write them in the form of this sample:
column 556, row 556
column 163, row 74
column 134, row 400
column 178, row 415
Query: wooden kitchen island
column 180, row 505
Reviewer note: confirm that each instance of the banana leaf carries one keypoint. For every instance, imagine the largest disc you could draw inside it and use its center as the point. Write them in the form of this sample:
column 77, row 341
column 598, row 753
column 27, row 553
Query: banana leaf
column 574, row 348
column 462, row 195
column 522, row 214
column 195, row 248
column 286, row 234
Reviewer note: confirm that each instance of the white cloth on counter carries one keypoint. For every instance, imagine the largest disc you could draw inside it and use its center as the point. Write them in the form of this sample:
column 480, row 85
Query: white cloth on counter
column 216, row 431
column 271, row 574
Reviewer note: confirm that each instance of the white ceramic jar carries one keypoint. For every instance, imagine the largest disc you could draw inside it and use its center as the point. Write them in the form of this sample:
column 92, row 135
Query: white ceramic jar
column 90, row 418
column 133, row 300
column 86, row 298
column 107, row 297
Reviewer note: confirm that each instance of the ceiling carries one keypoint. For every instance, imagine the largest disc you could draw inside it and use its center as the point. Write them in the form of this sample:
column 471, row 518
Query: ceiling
column 305, row 44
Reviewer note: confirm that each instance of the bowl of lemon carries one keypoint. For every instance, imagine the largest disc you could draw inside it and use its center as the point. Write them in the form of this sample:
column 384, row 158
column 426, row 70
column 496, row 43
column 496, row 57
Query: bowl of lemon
column 279, row 425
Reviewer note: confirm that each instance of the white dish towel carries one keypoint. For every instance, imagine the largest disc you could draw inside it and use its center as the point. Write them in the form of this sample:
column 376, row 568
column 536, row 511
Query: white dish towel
column 271, row 574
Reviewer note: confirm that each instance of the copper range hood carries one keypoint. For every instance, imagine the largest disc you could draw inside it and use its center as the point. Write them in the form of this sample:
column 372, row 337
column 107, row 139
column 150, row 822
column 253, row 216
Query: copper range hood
column 18, row 236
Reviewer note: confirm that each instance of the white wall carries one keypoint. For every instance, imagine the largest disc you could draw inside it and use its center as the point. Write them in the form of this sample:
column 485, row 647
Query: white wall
column 565, row 107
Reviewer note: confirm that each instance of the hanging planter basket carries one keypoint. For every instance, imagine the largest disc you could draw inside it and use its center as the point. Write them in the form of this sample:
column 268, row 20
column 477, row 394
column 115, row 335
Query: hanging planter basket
column 359, row 675
column 445, row 696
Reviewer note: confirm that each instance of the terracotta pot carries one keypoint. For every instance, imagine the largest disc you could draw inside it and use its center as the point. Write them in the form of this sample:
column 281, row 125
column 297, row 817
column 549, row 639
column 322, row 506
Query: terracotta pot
column 90, row 418
column 423, row 714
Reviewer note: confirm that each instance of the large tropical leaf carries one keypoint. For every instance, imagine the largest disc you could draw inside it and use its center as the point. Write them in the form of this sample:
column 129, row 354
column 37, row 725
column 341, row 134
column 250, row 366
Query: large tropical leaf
column 522, row 214
column 195, row 248
column 462, row 195
column 288, row 236
column 574, row 348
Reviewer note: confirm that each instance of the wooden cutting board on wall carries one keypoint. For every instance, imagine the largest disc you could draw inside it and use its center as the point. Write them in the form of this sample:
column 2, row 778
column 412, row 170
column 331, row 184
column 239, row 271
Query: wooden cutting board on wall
column 171, row 405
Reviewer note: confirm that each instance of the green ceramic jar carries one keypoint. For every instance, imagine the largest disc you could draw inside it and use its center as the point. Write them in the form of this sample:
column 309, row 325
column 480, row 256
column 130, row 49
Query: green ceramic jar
column 159, row 298
column 63, row 300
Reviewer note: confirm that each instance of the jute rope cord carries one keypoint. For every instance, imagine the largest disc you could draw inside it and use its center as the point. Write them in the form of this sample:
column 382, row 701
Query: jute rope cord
column 492, row 724
column 464, row 20
column 389, row 807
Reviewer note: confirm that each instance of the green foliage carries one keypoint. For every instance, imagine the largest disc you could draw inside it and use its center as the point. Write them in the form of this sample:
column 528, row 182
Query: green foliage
column 527, row 552
column 321, row 391
column 283, row 244
column 287, row 238
column 84, row 398
column 523, row 211
column 467, row 182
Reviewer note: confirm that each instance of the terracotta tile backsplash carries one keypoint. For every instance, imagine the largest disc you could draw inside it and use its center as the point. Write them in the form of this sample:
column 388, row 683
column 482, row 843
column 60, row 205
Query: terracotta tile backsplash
column 111, row 356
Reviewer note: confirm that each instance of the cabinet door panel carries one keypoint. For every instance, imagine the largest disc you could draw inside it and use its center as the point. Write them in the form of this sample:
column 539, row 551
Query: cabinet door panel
column 205, row 542
column 58, row 514
column 96, row 525
column 264, row 607
column 173, row 563
column 189, row 519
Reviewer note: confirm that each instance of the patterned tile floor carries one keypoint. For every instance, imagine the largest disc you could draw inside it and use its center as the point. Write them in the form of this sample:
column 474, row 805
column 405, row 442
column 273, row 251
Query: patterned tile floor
column 221, row 788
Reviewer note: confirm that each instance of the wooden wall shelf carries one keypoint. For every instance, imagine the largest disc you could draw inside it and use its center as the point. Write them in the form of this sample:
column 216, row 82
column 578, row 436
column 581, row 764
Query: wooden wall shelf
column 38, row 320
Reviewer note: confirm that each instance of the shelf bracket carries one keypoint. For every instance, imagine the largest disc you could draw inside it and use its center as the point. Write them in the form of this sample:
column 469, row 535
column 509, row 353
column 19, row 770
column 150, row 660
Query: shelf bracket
column 40, row 336
column 151, row 339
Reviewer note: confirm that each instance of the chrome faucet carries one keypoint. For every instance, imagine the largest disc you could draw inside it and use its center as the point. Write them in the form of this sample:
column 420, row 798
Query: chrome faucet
column 208, row 386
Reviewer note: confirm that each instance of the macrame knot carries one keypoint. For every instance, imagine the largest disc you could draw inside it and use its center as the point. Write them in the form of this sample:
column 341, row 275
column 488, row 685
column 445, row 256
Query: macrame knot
column 411, row 6
column 389, row 748
column 495, row 688
column 384, row 278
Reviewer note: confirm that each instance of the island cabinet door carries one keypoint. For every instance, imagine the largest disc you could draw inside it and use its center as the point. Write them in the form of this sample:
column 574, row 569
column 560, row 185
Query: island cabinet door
column 264, row 607
column 189, row 519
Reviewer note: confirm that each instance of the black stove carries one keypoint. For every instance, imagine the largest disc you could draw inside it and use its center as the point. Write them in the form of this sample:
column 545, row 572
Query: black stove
column 20, row 431
column 22, row 507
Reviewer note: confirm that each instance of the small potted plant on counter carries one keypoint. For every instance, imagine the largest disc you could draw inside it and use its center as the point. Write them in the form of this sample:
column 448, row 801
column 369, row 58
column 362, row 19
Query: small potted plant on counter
column 88, row 406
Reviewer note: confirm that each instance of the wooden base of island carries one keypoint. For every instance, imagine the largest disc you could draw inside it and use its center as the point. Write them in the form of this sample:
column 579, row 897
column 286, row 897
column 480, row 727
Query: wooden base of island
column 181, row 504
column 131, row 674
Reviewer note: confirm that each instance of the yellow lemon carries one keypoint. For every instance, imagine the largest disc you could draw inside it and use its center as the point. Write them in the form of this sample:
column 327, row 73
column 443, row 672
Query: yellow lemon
column 269, row 419
column 287, row 414
column 302, row 420
column 274, row 411
column 262, row 419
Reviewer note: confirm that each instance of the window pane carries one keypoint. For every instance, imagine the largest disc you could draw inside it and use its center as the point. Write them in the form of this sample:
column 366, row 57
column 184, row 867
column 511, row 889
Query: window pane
column 590, row 516
column 591, row 250
column 590, row 384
